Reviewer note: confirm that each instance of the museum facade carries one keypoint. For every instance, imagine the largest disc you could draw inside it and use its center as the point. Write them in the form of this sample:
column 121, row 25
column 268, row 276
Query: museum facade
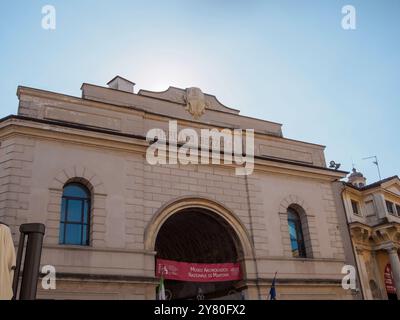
column 115, row 223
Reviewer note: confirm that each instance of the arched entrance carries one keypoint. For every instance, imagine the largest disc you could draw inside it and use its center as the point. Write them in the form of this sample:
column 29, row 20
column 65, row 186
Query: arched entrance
column 196, row 234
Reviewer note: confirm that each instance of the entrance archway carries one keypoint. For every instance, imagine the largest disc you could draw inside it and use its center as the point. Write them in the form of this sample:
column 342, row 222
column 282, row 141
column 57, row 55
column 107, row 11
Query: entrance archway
column 199, row 232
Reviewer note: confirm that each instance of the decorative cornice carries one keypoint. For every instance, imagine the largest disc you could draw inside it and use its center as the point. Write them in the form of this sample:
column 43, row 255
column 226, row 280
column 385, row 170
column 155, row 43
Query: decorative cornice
column 100, row 138
column 378, row 237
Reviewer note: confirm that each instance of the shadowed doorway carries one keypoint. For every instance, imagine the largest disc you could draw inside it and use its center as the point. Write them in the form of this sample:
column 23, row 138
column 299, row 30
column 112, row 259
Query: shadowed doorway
column 198, row 236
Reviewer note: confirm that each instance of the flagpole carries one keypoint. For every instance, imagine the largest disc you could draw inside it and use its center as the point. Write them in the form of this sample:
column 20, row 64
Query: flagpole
column 272, row 291
column 161, row 287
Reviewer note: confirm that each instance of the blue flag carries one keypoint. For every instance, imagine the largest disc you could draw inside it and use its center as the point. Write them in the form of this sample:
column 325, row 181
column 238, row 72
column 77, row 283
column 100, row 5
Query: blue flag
column 272, row 291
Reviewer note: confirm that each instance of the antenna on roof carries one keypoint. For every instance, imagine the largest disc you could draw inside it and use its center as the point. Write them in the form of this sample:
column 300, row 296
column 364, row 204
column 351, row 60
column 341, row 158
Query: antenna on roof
column 375, row 163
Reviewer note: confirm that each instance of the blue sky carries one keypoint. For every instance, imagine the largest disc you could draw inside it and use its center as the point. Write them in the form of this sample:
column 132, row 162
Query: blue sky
column 285, row 61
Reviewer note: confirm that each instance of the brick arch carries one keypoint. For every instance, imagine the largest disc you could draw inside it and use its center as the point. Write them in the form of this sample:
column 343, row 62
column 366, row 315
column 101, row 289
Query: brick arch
column 295, row 201
column 308, row 222
column 81, row 174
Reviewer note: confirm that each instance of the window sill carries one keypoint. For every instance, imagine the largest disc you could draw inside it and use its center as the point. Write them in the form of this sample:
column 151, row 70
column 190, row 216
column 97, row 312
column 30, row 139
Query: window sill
column 74, row 246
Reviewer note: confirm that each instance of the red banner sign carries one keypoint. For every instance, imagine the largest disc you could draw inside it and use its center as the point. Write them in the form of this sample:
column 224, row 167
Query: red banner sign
column 198, row 272
column 389, row 282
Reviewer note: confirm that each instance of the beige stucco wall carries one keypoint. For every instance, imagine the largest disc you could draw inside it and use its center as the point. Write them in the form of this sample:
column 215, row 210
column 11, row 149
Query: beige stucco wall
column 38, row 158
column 128, row 192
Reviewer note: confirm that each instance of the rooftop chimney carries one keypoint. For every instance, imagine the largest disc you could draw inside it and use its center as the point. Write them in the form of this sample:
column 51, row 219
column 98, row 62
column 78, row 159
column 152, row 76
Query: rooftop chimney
column 122, row 84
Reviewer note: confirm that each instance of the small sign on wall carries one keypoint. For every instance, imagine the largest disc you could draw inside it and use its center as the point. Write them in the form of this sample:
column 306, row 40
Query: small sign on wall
column 198, row 272
column 389, row 281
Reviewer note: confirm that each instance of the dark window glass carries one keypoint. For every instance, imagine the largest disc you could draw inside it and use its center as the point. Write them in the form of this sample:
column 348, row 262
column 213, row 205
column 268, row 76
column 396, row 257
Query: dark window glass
column 75, row 210
column 75, row 213
column 389, row 206
column 355, row 206
column 75, row 190
column 63, row 210
column 296, row 234
column 398, row 209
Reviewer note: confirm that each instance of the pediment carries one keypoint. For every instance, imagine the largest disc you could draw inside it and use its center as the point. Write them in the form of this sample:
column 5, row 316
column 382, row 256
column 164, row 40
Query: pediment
column 178, row 95
column 394, row 189
column 393, row 186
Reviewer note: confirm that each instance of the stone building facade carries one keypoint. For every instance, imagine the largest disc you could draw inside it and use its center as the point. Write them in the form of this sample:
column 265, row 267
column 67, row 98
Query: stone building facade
column 373, row 215
column 99, row 141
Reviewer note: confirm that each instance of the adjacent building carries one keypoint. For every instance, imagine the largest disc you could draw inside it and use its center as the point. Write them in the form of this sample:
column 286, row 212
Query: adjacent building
column 79, row 165
column 373, row 215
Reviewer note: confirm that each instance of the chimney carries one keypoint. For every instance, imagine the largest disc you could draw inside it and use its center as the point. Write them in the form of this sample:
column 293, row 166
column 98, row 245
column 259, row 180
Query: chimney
column 122, row 84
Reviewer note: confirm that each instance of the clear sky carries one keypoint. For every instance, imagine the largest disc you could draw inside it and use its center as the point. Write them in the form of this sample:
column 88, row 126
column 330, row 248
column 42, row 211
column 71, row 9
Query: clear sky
column 286, row 61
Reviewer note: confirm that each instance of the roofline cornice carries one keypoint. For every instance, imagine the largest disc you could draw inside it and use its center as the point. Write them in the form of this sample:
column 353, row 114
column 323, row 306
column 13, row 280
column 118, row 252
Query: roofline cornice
column 13, row 125
column 118, row 107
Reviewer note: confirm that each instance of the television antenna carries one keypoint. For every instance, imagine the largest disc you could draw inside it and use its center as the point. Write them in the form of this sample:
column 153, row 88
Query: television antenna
column 375, row 163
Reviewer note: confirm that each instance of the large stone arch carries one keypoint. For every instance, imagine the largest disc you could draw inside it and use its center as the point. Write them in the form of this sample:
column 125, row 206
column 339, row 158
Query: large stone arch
column 245, row 257
column 182, row 203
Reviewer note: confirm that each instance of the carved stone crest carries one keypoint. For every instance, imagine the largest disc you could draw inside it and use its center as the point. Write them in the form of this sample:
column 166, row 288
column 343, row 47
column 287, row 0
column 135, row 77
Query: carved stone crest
column 195, row 102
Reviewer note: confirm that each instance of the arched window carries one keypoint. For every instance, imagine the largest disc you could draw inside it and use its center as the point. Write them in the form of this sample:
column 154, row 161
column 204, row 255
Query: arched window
column 296, row 234
column 75, row 215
